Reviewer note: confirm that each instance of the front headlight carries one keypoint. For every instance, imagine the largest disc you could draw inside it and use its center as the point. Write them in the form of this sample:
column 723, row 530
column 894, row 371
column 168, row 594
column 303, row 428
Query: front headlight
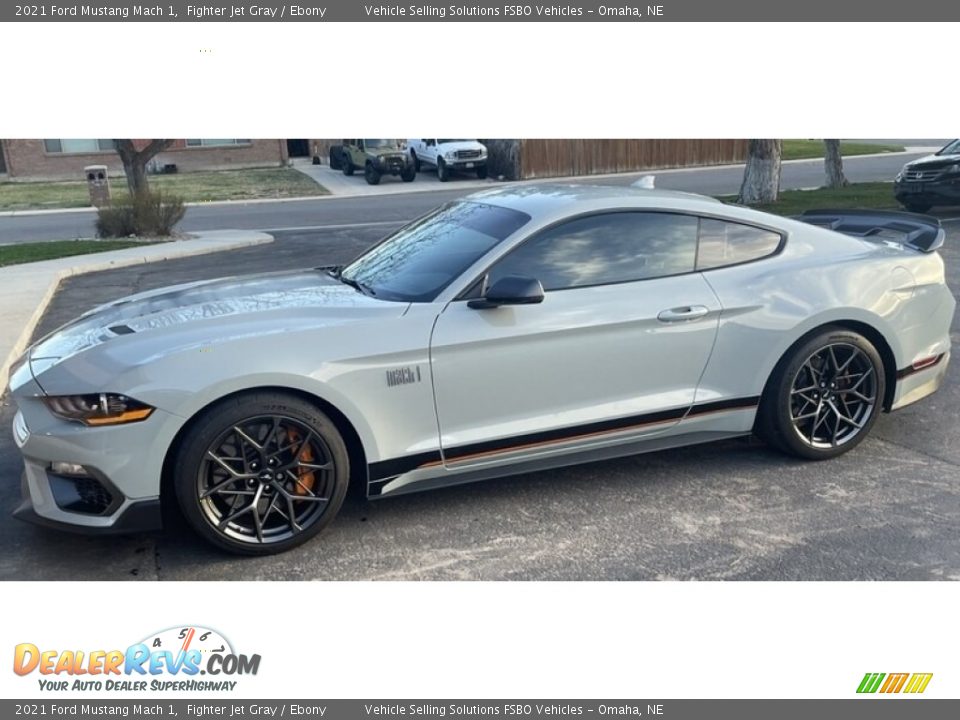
column 98, row 408
column 450, row 155
column 952, row 170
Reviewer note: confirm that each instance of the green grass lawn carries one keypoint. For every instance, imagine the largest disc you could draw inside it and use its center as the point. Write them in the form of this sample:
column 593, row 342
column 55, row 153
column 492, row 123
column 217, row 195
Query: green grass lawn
column 34, row 252
column 810, row 149
column 876, row 195
column 193, row 187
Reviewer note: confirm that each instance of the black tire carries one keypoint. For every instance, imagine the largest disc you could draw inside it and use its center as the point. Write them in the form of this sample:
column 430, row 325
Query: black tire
column 443, row 172
column 336, row 157
column 346, row 163
column 482, row 172
column 273, row 469
column 416, row 161
column 811, row 406
column 408, row 174
column 918, row 207
column 371, row 174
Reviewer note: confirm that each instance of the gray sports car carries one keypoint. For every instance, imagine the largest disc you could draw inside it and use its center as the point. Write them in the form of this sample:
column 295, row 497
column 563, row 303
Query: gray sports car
column 517, row 329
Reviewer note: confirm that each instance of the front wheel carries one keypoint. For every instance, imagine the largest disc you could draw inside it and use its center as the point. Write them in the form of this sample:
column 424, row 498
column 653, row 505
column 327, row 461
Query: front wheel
column 823, row 398
column 918, row 207
column 346, row 162
column 261, row 473
column 408, row 174
column 482, row 172
column 443, row 172
column 371, row 174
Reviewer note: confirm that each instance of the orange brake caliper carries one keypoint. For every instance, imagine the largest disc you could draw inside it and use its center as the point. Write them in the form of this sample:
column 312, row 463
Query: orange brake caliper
column 304, row 454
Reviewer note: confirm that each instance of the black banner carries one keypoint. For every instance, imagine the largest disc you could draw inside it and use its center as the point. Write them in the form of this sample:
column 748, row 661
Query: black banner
column 872, row 708
column 591, row 11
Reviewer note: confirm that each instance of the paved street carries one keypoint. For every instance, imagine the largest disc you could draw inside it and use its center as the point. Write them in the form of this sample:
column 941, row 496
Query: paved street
column 889, row 510
column 335, row 211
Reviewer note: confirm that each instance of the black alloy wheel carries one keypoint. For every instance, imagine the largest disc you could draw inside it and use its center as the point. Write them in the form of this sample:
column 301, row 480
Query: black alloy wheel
column 824, row 398
column 263, row 474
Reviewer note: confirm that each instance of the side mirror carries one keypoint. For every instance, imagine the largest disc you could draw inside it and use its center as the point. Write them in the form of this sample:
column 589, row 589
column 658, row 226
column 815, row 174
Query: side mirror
column 510, row 290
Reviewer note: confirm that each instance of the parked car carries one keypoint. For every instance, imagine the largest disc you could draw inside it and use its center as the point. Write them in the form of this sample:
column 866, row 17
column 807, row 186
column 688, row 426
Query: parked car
column 931, row 181
column 514, row 330
column 449, row 155
column 376, row 158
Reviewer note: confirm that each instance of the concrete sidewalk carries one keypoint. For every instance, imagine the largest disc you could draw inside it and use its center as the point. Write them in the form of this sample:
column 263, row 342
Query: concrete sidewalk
column 25, row 290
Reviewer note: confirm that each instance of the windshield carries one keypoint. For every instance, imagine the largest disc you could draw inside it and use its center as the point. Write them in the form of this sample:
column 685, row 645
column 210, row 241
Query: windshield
column 418, row 261
column 952, row 148
column 382, row 143
column 444, row 142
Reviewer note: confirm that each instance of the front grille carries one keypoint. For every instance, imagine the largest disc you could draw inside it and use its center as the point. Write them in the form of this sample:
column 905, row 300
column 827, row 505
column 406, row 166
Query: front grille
column 468, row 154
column 922, row 175
column 85, row 495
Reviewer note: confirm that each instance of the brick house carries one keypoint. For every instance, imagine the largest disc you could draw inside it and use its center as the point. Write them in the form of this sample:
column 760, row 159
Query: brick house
column 65, row 159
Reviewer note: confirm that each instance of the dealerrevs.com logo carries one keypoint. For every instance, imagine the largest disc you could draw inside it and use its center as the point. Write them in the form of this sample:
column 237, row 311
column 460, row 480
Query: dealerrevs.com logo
column 172, row 659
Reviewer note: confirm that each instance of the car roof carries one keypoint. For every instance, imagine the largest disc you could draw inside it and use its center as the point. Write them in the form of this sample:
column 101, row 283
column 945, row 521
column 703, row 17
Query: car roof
column 544, row 200
column 550, row 202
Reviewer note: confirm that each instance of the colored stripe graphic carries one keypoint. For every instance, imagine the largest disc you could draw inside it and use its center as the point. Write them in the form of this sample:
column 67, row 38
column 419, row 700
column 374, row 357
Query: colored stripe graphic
column 870, row 682
column 918, row 683
column 894, row 682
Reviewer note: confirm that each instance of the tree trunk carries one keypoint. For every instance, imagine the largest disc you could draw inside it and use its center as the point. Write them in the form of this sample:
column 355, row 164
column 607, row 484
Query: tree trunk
column 135, row 162
column 761, row 177
column 833, row 164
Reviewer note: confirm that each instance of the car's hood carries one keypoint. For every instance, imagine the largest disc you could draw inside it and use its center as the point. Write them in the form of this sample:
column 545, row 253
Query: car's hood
column 934, row 162
column 462, row 145
column 207, row 303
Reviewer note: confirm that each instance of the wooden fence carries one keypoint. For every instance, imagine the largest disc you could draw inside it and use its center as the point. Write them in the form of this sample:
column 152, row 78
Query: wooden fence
column 537, row 158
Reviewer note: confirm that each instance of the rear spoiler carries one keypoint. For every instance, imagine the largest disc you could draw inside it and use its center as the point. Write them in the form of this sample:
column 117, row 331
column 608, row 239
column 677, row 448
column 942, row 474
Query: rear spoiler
column 920, row 232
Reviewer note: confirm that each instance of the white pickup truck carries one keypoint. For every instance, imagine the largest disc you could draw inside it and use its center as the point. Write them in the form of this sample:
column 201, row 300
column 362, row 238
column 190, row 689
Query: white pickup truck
column 449, row 155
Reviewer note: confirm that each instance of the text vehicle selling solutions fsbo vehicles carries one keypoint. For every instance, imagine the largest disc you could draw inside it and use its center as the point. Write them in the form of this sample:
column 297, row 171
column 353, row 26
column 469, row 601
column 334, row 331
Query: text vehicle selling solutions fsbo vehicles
column 516, row 329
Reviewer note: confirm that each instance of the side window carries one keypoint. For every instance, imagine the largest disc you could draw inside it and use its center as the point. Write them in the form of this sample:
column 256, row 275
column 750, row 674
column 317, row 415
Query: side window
column 605, row 249
column 729, row 243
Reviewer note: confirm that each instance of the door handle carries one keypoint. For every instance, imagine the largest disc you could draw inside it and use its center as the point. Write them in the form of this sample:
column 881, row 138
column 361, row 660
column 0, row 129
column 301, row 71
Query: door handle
column 683, row 314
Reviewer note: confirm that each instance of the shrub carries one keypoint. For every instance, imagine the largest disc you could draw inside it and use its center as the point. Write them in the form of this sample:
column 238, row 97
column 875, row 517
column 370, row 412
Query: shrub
column 147, row 214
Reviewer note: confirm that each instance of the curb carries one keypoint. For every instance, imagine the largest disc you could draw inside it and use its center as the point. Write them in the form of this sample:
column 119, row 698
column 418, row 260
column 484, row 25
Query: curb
column 50, row 276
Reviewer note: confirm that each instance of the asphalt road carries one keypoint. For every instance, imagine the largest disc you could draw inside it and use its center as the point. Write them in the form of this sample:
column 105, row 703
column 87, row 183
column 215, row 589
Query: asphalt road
column 889, row 510
column 270, row 216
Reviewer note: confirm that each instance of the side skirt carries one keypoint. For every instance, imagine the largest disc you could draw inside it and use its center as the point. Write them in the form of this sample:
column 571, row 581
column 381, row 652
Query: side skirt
column 438, row 477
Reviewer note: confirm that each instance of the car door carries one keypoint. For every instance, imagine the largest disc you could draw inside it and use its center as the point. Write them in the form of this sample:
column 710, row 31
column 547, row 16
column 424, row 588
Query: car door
column 612, row 354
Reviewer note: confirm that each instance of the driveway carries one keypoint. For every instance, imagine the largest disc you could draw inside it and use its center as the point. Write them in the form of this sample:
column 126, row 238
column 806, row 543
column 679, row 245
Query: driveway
column 889, row 510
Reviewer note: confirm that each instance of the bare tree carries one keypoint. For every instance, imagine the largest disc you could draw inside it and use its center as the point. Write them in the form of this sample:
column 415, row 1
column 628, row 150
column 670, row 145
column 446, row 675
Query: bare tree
column 761, row 177
column 833, row 164
column 135, row 161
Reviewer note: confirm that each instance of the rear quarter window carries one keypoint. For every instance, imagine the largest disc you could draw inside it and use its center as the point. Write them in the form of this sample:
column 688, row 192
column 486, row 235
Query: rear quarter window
column 724, row 243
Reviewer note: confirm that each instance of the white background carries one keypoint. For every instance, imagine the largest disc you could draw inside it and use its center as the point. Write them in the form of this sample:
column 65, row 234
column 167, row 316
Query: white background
column 519, row 640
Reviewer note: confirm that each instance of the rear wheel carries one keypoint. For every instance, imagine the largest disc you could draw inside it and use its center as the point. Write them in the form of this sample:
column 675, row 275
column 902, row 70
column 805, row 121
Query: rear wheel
column 416, row 161
column 371, row 174
column 261, row 473
column 823, row 399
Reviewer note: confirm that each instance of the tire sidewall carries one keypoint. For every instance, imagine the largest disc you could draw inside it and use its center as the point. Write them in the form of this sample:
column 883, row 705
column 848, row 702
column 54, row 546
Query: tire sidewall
column 217, row 419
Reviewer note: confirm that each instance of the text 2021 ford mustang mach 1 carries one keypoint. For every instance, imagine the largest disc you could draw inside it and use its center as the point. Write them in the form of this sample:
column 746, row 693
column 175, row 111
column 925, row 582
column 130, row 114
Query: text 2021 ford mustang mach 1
column 514, row 330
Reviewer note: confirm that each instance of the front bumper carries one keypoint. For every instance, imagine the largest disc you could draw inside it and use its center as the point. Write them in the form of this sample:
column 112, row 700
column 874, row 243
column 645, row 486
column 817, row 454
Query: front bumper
column 136, row 516
column 119, row 491
column 940, row 192
column 393, row 166
column 468, row 164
